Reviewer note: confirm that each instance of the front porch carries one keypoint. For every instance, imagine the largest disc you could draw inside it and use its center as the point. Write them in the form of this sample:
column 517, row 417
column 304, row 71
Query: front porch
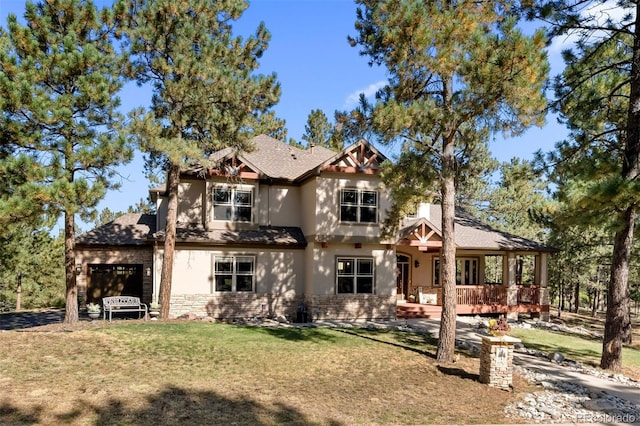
column 482, row 299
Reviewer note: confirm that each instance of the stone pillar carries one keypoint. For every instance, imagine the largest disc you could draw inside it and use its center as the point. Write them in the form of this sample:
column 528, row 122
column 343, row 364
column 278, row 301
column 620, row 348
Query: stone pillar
column 496, row 361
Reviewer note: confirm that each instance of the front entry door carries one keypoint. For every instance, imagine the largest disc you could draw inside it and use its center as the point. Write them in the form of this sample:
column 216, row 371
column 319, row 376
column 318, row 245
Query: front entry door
column 402, row 279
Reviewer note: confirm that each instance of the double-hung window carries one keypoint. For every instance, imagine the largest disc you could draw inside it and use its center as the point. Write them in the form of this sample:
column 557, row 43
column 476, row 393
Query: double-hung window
column 354, row 275
column 234, row 273
column 233, row 204
column 358, row 205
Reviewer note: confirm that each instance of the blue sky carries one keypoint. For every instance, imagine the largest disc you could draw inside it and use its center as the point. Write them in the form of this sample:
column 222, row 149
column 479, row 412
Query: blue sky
column 317, row 69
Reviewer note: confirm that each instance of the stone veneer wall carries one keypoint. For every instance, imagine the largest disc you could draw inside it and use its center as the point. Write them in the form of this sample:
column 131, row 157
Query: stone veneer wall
column 496, row 361
column 116, row 255
column 358, row 306
column 234, row 305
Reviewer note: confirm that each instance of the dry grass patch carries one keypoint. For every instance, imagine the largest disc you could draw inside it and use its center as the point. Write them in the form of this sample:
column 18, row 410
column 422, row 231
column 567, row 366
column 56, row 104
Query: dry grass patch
column 196, row 373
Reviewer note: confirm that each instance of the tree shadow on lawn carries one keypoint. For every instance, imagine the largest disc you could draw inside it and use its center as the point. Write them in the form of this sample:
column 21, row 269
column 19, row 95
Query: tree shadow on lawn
column 459, row 372
column 171, row 406
column 407, row 341
column 295, row 334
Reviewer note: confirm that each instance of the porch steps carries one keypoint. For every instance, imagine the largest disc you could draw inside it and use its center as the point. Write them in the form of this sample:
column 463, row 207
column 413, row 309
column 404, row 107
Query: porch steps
column 416, row 310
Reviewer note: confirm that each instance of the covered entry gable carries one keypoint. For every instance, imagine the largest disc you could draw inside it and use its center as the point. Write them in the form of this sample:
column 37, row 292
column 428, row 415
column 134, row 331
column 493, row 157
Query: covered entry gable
column 422, row 234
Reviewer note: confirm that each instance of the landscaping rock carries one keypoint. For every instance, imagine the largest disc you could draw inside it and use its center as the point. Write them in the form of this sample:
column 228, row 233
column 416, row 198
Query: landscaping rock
column 189, row 316
column 556, row 357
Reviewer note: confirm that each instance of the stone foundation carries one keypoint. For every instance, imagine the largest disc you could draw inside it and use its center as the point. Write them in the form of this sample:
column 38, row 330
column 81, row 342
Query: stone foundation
column 235, row 305
column 496, row 361
column 347, row 307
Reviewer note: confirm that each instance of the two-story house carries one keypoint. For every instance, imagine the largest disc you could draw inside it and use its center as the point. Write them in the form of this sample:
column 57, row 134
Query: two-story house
column 285, row 231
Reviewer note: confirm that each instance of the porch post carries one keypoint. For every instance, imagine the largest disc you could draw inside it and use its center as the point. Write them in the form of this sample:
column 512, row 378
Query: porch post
column 544, row 289
column 512, row 290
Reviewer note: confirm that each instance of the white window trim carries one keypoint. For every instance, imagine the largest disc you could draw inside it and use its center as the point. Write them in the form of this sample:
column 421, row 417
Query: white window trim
column 233, row 188
column 234, row 274
column 358, row 205
column 355, row 274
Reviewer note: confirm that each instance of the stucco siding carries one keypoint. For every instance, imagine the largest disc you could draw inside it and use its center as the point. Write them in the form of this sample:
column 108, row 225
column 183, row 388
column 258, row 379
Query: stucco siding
column 278, row 283
column 327, row 222
column 191, row 202
column 323, row 268
column 279, row 206
column 321, row 294
column 309, row 206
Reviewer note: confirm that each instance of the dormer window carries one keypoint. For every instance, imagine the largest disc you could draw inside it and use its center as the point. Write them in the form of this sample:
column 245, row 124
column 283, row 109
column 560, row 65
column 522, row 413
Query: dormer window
column 233, row 203
column 358, row 205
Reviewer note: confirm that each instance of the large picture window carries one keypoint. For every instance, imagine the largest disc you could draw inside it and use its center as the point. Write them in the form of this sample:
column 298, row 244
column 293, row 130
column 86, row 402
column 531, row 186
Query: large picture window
column 233, row 204
column 234, row 273
column 354, row 275
column 358, row 205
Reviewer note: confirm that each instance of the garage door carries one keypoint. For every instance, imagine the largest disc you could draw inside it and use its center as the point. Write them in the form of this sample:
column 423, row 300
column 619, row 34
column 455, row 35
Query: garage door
column 113, row 280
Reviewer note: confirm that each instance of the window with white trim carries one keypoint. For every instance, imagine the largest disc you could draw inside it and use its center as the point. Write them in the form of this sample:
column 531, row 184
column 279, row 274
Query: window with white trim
column 233, row 203
column 354, row 275
column 358, row 205
column 234, row 273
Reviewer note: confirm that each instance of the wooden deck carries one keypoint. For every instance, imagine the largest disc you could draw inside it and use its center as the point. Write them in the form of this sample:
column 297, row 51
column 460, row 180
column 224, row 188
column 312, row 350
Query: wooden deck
column 478, row 300
column 416, row 310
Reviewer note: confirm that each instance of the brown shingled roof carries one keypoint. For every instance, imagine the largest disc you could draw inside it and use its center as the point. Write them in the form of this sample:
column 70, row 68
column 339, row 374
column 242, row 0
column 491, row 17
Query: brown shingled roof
column 471, row 233
column 288, row 236
column 129, row 229
column 277, row 160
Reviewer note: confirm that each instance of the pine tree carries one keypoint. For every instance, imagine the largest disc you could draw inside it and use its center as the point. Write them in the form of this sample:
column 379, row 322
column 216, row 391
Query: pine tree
column 59, row 77
column 351, row 126
column 319, row 132
column 599, row 165
column 206, row 93
column 458, row 71
column 517, row 197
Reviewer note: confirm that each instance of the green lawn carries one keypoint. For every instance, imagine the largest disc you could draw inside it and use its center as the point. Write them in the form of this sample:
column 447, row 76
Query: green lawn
column 198, row 373
column 575, row 347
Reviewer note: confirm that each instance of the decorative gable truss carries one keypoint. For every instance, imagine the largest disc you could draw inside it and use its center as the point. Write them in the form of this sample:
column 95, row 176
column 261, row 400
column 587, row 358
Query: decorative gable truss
column 421, row 234
column 234, row 169
column 360, row 157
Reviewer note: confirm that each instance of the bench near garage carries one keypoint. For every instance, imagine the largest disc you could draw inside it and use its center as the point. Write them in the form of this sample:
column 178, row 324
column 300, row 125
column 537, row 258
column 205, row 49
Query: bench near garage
column 117, row 304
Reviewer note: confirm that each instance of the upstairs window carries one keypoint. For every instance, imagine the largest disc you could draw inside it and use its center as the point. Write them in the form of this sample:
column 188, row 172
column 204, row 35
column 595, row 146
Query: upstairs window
column 233, row 204
column 354, row 275
column 358, row 205
column 234, row 273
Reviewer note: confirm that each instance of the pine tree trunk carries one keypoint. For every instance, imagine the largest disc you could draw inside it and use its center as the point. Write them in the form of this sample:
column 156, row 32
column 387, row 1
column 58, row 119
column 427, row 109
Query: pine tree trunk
column 618, row 322
column 576, row 297
column 71, row 305
column 447, row 336
column 596, row 302
column 173, row 182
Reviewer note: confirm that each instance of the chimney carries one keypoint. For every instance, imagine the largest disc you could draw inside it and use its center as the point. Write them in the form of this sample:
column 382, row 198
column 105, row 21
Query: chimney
column 424, row 210
column 311, row 146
